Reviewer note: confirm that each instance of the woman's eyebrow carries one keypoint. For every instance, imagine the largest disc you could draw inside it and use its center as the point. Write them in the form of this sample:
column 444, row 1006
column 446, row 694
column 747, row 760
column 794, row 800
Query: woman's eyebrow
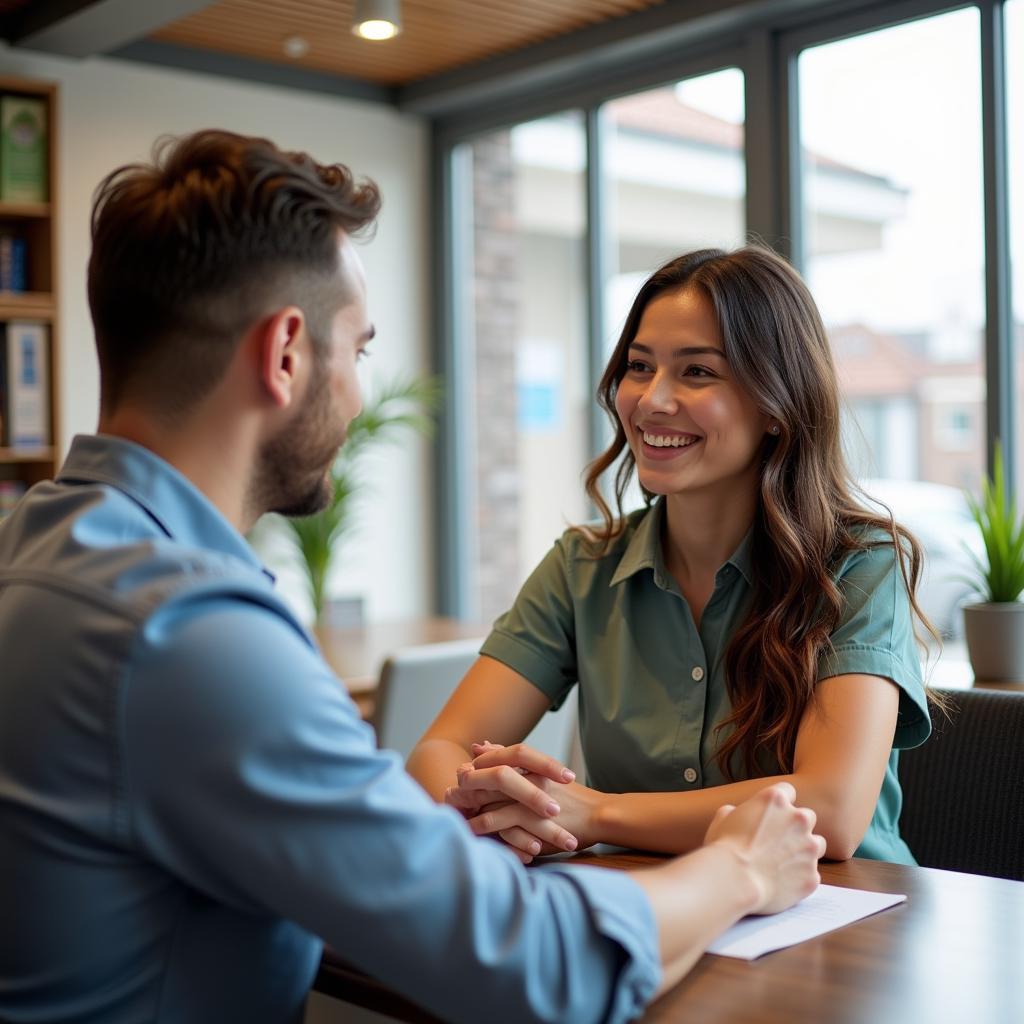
column 689, row 350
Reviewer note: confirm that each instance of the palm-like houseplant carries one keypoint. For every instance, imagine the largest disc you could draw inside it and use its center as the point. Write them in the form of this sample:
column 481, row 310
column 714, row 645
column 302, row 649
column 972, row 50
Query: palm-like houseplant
column 394, row 409
column 995, row 625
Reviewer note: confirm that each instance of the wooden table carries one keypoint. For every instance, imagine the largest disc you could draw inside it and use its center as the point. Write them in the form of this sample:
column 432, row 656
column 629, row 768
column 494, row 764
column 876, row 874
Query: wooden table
column 357, row 653
column 952, row 954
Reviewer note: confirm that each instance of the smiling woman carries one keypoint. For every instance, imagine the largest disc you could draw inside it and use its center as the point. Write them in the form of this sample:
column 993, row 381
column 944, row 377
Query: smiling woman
column 751, row 623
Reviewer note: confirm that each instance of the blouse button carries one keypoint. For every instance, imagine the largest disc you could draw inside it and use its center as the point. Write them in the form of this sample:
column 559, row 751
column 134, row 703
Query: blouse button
column 690, row 775
column 697, row 674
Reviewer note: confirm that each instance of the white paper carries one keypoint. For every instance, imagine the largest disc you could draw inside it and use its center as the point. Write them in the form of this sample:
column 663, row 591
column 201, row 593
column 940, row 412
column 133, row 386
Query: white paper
column 827, row 908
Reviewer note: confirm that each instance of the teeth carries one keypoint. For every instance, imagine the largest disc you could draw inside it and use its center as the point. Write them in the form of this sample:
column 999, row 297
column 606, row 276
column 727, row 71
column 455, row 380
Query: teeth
column 673, row 441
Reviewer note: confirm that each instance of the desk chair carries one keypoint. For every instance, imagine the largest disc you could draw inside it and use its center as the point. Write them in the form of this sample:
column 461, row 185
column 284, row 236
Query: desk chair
column 416, row 682
column 963, row 790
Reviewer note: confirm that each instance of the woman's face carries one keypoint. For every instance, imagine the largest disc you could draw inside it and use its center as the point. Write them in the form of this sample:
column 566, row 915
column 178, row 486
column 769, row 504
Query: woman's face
column 692, row 429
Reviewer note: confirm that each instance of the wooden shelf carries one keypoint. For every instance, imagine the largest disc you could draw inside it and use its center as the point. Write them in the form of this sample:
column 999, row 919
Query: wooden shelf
column 32, row 305
column 25, row 211
column 27, row 454
column 36, row 224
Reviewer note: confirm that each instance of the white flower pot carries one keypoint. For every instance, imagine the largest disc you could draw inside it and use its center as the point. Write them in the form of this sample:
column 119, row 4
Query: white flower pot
column 995, row 641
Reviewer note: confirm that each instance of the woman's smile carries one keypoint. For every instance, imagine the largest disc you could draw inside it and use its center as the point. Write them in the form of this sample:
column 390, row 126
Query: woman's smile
column 661, row 445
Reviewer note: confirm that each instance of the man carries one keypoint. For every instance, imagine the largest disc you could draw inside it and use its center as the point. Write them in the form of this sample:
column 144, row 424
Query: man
column 189, row 802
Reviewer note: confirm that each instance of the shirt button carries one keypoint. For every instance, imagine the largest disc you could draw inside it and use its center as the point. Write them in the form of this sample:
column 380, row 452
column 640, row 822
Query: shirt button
column 697, row 674
column 690, row 775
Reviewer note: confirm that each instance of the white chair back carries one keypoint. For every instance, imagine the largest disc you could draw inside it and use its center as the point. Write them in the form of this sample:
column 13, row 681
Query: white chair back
column 416, row 682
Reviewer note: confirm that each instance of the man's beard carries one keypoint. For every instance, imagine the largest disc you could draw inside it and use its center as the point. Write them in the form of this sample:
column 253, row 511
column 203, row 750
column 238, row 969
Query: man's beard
column 293, row 476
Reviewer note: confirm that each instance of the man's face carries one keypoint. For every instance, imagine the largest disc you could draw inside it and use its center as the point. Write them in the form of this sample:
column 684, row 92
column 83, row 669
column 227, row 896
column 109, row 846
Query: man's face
column 295, row 465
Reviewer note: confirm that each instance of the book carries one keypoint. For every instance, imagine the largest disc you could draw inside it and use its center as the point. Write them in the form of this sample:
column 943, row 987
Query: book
column 23, row 150
column 25, row 385
column 12, row 263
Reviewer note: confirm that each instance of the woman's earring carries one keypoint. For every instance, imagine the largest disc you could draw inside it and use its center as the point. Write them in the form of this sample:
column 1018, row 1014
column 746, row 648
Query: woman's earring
column 774, row 429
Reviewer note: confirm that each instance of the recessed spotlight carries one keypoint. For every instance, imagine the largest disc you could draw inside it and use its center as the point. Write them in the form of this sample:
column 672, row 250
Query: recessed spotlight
column 295, row 47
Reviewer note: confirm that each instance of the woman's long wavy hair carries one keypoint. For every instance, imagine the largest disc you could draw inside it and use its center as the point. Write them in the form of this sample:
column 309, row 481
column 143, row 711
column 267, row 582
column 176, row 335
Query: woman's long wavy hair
column 807, row 517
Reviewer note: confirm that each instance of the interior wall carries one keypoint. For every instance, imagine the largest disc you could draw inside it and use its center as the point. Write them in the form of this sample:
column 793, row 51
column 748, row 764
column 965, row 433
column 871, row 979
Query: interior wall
column 110, row 113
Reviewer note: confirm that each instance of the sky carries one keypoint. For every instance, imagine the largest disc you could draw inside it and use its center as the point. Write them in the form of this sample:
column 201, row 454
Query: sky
column 905, row 103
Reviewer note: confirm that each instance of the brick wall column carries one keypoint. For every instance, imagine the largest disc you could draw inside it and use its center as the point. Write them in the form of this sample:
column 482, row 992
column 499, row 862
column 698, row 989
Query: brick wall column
column 496, row 285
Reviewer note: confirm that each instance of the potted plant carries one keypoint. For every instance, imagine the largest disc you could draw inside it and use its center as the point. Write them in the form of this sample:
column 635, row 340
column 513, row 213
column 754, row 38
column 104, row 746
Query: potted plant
column 995, row 625
column 394, row 409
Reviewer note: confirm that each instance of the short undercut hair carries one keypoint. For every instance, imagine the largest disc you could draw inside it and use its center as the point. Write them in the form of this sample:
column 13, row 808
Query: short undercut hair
column 189, row 251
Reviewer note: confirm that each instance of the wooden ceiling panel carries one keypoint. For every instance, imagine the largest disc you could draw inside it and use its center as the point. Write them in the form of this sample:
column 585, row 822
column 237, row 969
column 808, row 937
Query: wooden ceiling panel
column 437, row 35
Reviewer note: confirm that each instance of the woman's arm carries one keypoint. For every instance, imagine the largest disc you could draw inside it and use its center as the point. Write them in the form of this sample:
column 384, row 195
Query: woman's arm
column 492, row 703
column 496, row 704
column 841, row 754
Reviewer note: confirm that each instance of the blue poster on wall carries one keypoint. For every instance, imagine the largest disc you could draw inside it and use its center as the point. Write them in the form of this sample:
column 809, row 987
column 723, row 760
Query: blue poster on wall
column 539, row 388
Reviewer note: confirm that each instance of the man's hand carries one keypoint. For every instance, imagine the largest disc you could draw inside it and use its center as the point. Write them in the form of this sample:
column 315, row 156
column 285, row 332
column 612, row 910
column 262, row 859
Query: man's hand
column 776, row 842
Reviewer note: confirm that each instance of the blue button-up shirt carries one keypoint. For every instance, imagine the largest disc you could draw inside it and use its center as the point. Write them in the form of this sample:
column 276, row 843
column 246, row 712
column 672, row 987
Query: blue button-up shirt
column 189, row 802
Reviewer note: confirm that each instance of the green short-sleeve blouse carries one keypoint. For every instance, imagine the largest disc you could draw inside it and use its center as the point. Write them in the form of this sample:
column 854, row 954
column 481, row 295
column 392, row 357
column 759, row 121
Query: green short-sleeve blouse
column 652, row 686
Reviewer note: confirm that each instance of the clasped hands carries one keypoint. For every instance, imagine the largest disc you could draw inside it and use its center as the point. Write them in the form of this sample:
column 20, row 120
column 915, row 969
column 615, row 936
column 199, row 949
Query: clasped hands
column 526, row 798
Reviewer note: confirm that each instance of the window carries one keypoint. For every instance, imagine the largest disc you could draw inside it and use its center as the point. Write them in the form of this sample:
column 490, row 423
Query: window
column 886, row 224
column 892, row 202
column 529, row 381
column 1014, row 35
column 675, row 164
column 677, row 182
column 892, row 205
column 954, row 428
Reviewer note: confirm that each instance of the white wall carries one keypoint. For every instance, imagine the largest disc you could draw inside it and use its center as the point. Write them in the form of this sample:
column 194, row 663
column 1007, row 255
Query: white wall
column 110, row 113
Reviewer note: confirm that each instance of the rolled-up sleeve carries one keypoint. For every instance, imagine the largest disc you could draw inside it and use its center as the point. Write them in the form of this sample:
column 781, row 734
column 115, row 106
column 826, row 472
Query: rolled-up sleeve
column 875, row 636
column 280, row 804
column 536, row 637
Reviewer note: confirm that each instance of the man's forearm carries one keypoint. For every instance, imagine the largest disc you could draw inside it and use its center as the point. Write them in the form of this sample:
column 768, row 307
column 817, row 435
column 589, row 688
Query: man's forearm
column 694, row 900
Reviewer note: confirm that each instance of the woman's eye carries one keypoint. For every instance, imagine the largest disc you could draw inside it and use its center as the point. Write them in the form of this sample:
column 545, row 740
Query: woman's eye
column 635, row 366
column 697, row 371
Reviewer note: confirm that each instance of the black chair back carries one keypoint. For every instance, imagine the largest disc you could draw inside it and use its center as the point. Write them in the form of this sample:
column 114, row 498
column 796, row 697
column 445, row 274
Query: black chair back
column 963, row 790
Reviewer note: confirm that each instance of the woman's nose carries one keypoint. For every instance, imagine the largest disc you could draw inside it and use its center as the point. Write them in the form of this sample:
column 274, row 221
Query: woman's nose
column 659, row 396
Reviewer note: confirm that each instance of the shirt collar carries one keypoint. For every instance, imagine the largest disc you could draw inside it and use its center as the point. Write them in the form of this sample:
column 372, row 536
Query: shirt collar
column 742, row 558
column 169, row 498
column 643, row 551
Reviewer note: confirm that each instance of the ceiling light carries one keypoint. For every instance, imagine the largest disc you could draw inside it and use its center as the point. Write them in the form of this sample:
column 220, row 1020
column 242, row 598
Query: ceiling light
column 295, row 47
column 377, row 19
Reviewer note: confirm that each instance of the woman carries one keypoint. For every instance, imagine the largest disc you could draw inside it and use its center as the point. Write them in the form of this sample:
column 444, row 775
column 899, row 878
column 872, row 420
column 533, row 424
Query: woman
column 752, row 623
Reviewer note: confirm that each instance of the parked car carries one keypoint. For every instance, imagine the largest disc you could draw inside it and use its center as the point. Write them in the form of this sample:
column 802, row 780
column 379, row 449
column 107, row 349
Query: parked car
column 938, row 516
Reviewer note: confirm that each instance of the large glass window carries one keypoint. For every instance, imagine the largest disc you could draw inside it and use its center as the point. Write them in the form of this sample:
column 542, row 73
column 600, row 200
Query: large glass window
column 529, row 377
column 1014, row 12
column 892, row 203
column 676, row 178
column 675, row 169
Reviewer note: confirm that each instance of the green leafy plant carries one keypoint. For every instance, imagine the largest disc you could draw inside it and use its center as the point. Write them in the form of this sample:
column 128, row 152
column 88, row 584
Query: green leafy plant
column 395, row 409
column 999, row 577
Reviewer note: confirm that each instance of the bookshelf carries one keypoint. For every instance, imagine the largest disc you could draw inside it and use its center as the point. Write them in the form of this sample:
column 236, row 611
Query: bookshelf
column 33, row 223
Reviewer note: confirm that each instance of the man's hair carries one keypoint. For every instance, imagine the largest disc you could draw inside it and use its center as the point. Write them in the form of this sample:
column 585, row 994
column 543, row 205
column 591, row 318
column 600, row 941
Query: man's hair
column 188, row 252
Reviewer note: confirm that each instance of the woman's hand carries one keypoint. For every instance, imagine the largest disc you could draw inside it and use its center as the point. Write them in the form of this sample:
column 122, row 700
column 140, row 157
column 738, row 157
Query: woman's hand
column 528, row 799
column 505, row 777
column 513, row 782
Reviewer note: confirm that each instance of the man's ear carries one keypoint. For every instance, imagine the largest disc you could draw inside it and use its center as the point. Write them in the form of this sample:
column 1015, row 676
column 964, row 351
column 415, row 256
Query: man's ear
column 281, row 353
